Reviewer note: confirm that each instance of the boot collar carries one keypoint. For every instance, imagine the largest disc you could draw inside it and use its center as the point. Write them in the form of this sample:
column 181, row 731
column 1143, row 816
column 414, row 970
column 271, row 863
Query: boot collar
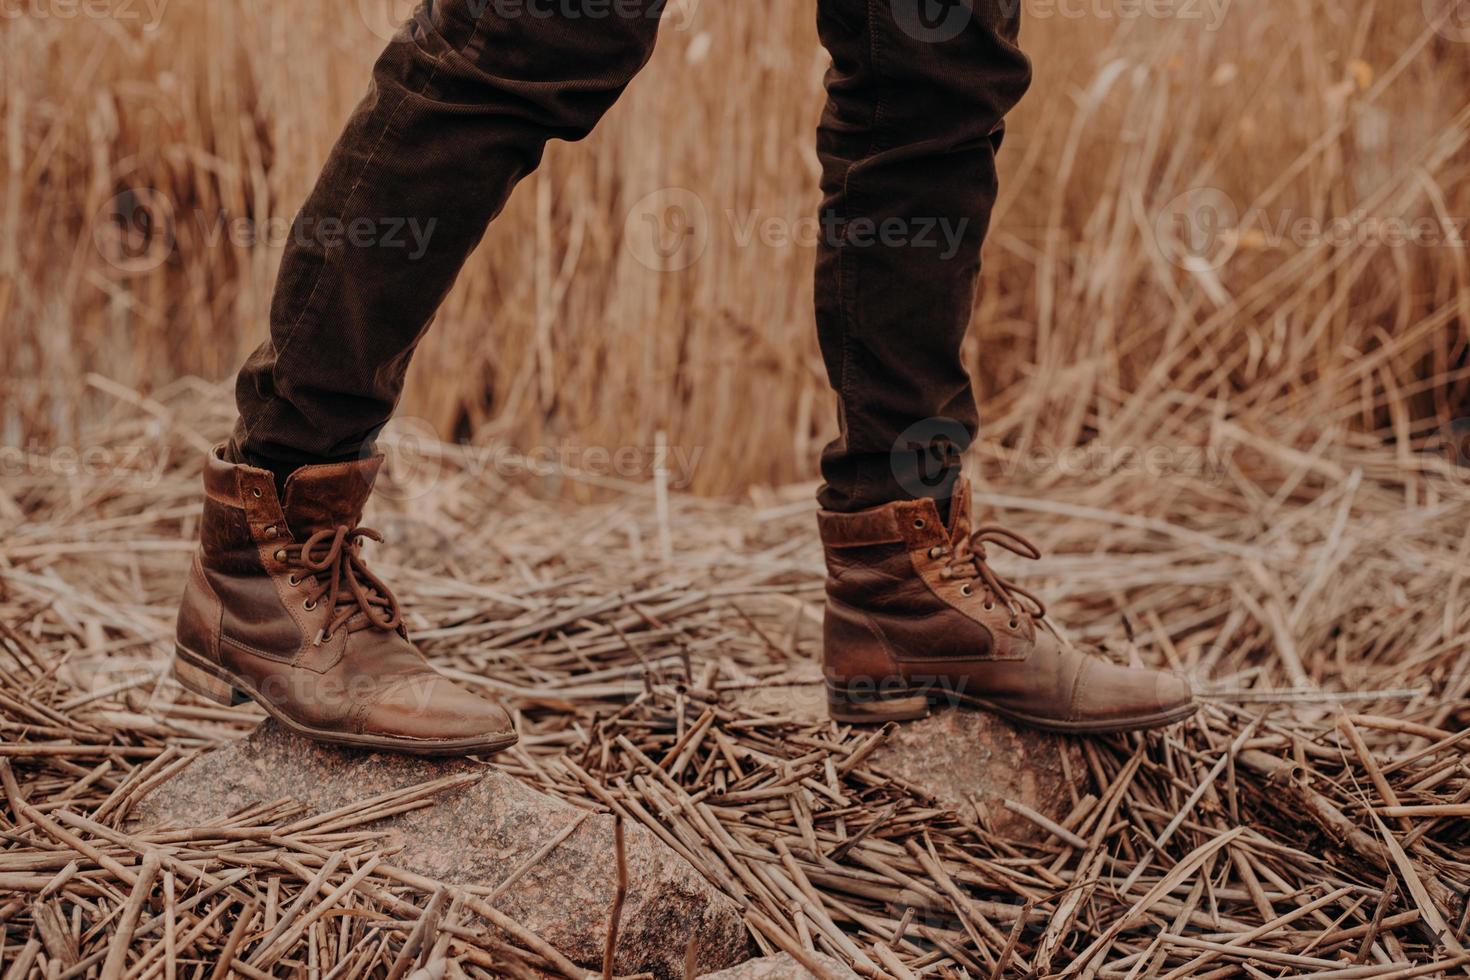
column 329, row 495
column 230, row 483
column 915, row 523
column 317, row 497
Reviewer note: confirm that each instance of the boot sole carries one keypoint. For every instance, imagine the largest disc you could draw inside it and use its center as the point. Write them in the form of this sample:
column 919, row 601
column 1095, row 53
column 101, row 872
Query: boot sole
column 214, row 683
column 873, row 708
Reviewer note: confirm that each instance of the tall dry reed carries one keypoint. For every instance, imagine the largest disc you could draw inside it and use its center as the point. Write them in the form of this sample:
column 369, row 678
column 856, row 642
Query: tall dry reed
column 1290, row 144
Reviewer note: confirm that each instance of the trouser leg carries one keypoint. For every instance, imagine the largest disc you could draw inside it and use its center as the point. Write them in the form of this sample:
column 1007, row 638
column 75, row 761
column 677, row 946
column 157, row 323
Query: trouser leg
column 462, row 105
column 916, row 97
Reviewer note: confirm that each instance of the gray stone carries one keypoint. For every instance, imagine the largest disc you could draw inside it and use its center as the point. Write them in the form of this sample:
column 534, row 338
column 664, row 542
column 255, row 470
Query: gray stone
column 478, row 834
column 783, row 966
column 954, row 755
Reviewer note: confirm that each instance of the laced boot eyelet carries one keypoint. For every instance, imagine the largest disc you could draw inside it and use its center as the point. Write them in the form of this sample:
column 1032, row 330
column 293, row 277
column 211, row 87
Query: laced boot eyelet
column 256, row 492
column 293, row 580
column 270, row 532
column 309, row 605
column 989, row 605
column 936, row 552
column 919, row 523
column 966, row 591
column 280, row 554
column 1015, row 624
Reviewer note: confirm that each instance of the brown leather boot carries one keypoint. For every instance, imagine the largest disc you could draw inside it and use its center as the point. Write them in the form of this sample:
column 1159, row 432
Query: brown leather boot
column 281, row 609
column 915, row 616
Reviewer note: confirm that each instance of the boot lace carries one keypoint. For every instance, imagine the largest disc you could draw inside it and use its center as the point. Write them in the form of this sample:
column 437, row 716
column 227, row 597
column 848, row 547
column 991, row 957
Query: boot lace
column 967, row 559
column 335, row 569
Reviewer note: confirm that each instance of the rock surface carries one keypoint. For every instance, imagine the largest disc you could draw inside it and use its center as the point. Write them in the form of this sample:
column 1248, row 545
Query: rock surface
column 479, row 834
column 783, row 966
column 953, row 755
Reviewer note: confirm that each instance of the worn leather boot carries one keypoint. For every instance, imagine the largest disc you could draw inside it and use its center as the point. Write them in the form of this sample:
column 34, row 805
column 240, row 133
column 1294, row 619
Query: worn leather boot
column 915, row 616
column 280, row 608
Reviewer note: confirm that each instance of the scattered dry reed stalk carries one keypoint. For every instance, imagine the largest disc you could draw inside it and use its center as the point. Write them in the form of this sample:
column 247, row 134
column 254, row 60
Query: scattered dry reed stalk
column 1269, row 836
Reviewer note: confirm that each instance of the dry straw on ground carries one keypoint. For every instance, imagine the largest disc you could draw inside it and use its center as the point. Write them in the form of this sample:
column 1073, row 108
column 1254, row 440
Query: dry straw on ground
column 1313, row 820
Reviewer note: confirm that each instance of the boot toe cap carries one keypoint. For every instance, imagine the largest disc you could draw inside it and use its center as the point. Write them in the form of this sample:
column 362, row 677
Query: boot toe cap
column 1121, row 698
column 436, row 710
column 1172, row 691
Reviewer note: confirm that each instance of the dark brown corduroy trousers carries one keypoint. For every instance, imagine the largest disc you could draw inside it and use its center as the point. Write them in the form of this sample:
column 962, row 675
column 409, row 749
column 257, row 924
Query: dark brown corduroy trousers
column 462, row 105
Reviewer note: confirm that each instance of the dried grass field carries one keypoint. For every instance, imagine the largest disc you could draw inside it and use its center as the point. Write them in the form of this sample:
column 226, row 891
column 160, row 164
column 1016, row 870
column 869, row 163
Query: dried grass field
column 1247, row 209
column 1312, row 820
column 1222, row 346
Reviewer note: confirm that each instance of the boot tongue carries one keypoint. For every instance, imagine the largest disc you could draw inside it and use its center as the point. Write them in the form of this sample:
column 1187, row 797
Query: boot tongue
column 959, row 510
column 322, row 497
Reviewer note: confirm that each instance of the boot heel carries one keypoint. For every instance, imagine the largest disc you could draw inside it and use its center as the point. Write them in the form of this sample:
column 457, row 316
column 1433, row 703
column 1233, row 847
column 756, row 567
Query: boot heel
column 204, row 684
column 874, row 707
